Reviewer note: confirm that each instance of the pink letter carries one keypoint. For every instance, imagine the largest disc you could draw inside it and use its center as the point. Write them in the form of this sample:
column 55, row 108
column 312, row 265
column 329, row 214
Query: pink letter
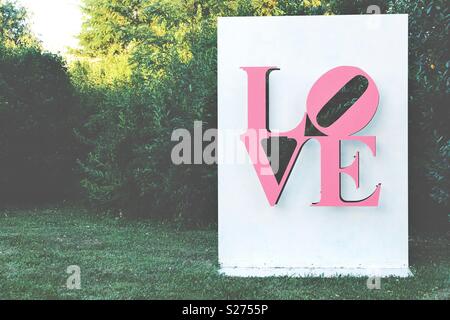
column 352, row 121
column 331, row 173
column 257, row 121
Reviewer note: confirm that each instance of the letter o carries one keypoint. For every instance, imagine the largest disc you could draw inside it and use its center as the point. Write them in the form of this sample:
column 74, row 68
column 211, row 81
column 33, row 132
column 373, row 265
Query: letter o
column 357, row 116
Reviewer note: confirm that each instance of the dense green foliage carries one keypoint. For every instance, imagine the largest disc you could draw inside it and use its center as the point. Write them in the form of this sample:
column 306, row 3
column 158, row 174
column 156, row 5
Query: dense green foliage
column 37, row 105
column 147, row 67
column 37, row 155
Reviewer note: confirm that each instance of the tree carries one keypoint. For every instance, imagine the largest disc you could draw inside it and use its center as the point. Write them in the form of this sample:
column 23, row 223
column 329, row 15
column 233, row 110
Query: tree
column 14, row 29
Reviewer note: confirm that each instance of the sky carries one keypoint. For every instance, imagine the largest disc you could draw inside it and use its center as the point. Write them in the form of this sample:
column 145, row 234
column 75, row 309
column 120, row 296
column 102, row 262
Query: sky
column 55, row 22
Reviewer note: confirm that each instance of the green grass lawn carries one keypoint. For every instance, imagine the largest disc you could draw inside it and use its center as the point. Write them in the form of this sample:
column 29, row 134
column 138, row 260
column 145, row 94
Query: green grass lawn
column 123, row 259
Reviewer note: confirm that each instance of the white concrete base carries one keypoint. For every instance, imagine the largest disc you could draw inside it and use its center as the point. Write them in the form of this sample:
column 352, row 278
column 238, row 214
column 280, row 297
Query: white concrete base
column 315, row 272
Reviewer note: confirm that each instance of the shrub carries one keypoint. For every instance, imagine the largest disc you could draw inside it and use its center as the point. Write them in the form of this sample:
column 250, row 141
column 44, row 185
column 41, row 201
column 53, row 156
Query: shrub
column 37, row 147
